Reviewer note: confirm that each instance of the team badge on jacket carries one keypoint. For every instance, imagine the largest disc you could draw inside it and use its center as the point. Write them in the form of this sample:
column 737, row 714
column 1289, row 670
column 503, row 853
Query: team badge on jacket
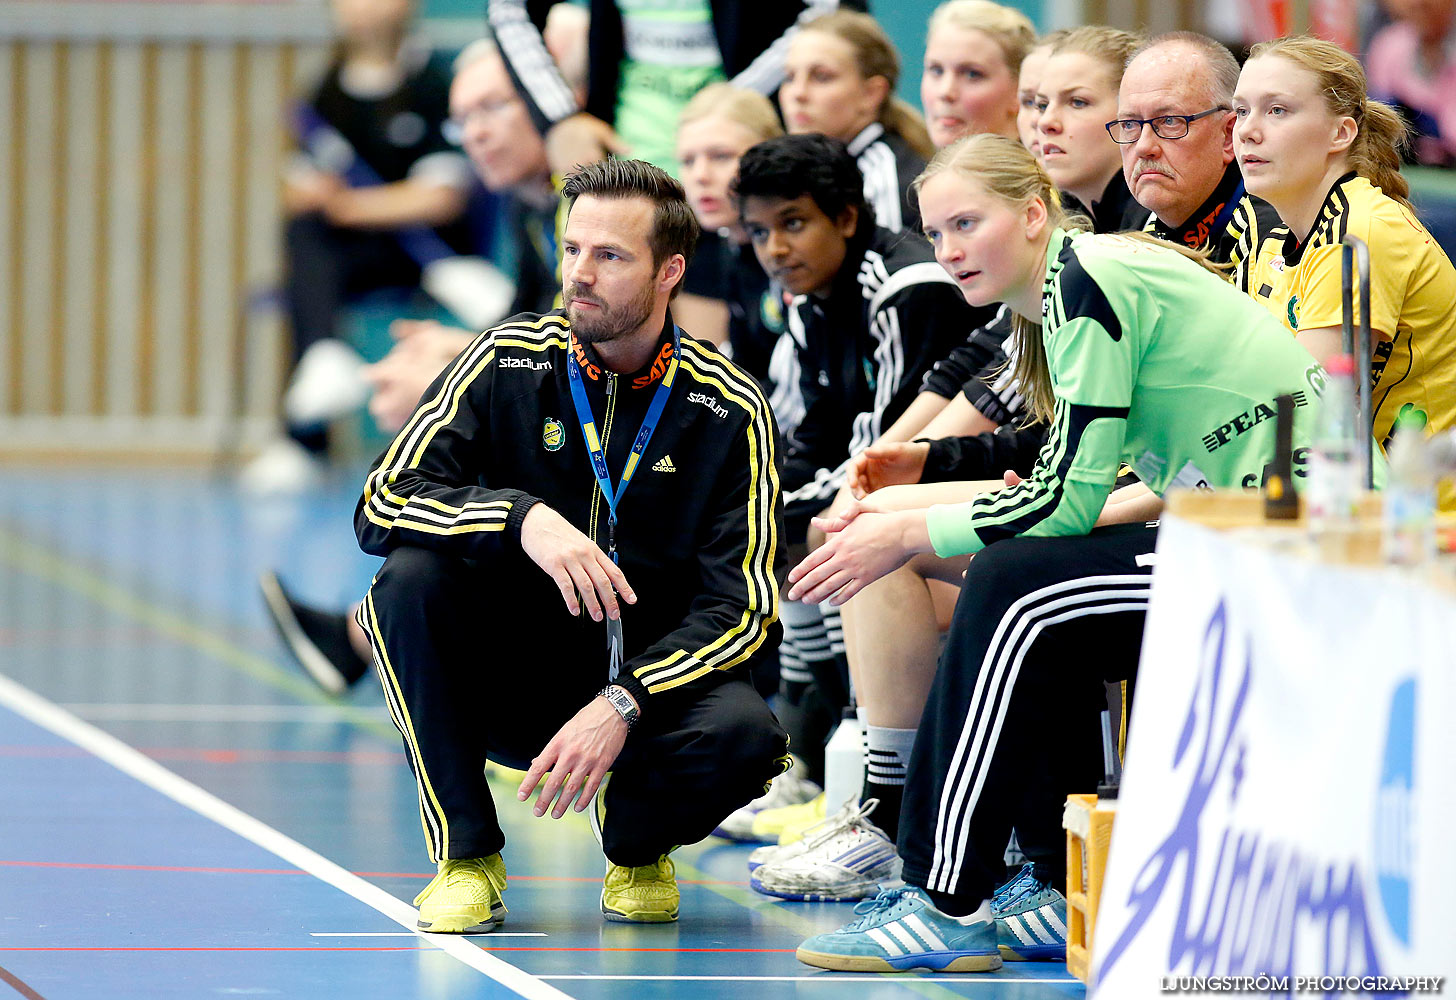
column 553, row 434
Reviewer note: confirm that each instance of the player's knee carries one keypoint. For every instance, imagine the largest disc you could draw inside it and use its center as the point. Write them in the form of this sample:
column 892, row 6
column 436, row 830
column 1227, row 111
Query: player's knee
column 745, row 729
column 412, row 576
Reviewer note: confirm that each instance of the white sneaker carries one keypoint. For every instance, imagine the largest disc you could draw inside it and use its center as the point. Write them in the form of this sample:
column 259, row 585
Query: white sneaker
column 327, row 383
column 804, row 837
column 283, row 468
column 788, row 789
column 848, row 858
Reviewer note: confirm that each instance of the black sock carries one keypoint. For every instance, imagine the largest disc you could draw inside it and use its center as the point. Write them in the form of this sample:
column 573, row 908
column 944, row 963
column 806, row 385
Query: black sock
column 887, row 814
column 953, row 905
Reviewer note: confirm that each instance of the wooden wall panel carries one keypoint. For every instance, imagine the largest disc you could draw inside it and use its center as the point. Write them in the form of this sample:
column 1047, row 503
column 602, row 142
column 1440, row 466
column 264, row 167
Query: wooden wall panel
column 170, row 248
column 139, row 241
column 10, row 195
column 128, row 201
column 38, row 238
column 79, row 224
column 216, row 296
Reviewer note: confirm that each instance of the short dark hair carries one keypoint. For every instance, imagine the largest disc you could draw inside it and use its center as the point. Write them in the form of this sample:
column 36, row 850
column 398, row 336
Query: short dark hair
column 674, row 226
column 793, row 165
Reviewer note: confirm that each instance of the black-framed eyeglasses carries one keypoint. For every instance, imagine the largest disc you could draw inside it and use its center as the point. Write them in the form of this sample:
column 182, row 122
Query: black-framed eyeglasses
column 1128, row 130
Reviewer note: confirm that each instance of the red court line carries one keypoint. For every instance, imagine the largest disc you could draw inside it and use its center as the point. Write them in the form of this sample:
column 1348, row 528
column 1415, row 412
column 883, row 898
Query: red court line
column 90, row 866
column 401, row 947
column 223, row 755
column 19, row 986
column 476, row 939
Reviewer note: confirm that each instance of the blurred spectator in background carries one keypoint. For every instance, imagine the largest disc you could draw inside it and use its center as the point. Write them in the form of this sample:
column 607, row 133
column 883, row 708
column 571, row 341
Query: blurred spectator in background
column 1412, row 65
column 973, row 53
column 509, row 157
column 374, row 193
column 726, row 294
column 840, row 75
column 646, row 61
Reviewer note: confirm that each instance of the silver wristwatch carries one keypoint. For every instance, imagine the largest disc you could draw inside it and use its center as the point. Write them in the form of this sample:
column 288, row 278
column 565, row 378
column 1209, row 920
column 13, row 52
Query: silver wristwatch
column 619, row 699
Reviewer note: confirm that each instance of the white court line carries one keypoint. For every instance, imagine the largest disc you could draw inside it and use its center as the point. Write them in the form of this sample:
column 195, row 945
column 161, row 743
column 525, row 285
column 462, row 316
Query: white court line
column 217, row 713
column 868, row 978
column 108, row 748
column 394, row 934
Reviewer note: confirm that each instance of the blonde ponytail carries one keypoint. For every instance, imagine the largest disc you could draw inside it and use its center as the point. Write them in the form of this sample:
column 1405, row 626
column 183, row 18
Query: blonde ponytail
column 1376, row 152
column 899, row 118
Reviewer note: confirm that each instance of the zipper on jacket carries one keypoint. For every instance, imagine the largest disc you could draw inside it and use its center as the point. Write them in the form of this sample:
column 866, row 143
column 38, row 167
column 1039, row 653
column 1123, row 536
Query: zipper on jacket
column 606, row 436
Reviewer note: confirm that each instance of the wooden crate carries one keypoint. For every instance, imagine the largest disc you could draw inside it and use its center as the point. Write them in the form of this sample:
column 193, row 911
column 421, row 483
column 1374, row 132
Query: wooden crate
column 1089, row 832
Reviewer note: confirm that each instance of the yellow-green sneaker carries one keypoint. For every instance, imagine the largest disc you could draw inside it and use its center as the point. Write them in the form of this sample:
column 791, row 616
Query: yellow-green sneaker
column 773, row 825
column 644, row 895
column 465, row 897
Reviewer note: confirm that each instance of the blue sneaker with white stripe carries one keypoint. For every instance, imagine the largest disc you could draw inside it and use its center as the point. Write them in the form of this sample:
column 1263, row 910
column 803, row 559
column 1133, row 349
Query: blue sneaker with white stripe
column 1031, row 920
column 900, row 930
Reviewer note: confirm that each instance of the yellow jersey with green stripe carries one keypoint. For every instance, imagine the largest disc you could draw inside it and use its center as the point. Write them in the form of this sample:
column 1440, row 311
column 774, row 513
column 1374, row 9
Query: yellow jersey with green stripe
column 1412, row 301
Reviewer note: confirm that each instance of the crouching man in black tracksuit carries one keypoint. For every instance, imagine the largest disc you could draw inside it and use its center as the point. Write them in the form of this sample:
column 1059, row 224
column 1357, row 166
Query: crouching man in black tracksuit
column 593, row 456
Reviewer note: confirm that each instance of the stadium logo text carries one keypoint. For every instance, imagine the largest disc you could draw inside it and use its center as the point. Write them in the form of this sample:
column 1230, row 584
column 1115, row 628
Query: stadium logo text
column 711, row 402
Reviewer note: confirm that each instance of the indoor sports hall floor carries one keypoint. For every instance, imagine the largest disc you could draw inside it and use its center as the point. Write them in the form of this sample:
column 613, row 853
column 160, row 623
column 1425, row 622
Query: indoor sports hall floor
column 182, row 814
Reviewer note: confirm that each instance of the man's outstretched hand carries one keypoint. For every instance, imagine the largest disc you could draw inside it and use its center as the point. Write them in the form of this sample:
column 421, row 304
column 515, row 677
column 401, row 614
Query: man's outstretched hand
column 578, row 757
column 575, row 562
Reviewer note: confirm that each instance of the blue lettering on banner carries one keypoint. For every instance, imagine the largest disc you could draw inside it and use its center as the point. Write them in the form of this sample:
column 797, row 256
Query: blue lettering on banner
column 1247, row 908
column 1394, row 810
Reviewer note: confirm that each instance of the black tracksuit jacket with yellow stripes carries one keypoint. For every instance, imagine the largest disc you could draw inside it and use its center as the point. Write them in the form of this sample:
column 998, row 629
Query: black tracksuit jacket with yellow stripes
column 698, row 528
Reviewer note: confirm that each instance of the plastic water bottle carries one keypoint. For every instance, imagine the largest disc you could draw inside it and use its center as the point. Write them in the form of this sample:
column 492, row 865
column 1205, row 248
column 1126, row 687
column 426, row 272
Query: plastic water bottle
column 1409, row 535
column 1332, row 485
column 843, row 764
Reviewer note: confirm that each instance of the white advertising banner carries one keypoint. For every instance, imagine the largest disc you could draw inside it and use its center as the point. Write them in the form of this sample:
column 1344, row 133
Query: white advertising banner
column 1288, row 809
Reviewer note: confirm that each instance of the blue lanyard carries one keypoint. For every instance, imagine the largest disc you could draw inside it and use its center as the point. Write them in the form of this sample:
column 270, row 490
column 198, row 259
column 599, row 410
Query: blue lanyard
column 613, row 497
column 1226, row 213
column 644, row 434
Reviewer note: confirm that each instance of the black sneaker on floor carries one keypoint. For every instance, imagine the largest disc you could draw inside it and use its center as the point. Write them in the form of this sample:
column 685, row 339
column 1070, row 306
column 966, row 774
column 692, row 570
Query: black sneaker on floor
column 319, row 640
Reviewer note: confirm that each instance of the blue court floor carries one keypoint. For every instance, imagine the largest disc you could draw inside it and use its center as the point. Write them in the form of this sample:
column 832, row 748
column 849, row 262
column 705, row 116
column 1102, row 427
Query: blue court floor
column 183, row 814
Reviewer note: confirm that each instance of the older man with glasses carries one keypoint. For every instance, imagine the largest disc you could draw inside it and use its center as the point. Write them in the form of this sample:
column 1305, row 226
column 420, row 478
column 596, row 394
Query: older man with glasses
column 1175, row 128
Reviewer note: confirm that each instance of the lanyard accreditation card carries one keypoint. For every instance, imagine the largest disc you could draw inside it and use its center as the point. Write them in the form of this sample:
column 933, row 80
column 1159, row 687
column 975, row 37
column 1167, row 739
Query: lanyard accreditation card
column 613, row 496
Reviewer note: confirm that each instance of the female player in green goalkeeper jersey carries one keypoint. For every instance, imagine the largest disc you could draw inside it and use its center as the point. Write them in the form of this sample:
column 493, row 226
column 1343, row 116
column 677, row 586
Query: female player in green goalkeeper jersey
column 1134, row 353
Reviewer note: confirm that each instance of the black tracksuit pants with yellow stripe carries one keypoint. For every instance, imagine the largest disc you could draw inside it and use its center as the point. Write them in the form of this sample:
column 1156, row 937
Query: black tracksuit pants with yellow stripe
column 481, row 660
column 1013, row 722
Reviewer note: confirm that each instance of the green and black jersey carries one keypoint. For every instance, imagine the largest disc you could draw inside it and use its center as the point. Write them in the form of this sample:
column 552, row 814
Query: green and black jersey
column 1154, row 362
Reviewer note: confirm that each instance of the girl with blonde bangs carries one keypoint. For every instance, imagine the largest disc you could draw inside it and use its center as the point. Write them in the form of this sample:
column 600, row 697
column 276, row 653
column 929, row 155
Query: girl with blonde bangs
column 840, row 74
column 1143, row 355
column 973, row 55
column 1312, row 144
column 724, row 290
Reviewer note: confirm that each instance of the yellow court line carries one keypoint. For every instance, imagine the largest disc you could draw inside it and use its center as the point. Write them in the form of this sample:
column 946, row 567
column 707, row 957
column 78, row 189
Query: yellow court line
column 45, row 564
